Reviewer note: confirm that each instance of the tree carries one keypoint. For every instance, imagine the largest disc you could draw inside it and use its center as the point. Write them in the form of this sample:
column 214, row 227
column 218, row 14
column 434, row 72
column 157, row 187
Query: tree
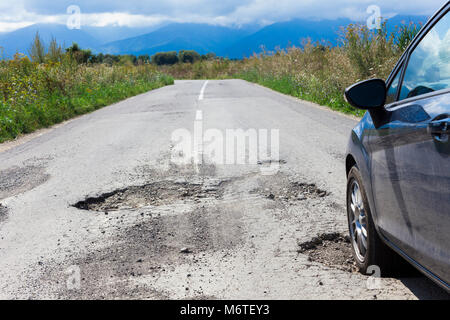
column 165, row 58
column 55, row 52
column 74, row 48
column 127, row 60
column 209, row 56
column 188, row 56
column 108, row 60
column 80, row 56
column 100, row 58
column 143, row 59
column 37, row 49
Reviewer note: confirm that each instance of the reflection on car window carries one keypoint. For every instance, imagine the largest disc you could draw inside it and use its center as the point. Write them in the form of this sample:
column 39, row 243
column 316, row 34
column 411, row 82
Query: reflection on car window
column 429, row 66
column 392, row 91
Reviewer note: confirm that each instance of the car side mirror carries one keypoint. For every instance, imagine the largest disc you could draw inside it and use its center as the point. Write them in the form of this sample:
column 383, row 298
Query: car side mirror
column 367, row 95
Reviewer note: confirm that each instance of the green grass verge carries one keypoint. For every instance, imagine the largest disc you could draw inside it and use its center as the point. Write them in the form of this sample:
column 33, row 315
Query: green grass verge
column 311, row 89
column 57, row 107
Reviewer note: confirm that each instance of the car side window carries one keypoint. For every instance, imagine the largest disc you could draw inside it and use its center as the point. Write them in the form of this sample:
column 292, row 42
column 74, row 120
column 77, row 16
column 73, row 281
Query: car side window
column 391, row 95
column 428, row 69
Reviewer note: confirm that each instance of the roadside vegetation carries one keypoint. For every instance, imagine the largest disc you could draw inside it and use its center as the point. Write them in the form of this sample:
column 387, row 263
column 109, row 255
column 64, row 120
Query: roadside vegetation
column 317, row 72
column 56, row 85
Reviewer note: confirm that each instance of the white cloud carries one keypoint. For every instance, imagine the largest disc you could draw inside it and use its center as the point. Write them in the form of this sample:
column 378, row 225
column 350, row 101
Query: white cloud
column 138, row 13
column 121, row 19
column 11, row 26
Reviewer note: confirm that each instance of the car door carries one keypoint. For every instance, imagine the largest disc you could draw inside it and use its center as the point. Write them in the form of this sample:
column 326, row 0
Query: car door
column 411, row 153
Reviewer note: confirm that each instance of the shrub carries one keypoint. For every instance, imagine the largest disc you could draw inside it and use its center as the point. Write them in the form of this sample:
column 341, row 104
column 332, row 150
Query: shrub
column 165, row 58
column 79, row 55
column 188, row 56
column 143, row 59
column 208, row 56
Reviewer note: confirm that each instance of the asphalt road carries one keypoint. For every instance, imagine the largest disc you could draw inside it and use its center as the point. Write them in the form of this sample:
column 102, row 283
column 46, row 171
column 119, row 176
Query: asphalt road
column 97, row 208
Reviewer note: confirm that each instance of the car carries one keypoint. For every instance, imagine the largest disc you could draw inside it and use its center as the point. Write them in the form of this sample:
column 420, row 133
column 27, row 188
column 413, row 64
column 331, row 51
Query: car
column 398, row 160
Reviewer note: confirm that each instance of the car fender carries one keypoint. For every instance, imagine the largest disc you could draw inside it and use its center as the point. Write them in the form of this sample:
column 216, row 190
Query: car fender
column 358, row 154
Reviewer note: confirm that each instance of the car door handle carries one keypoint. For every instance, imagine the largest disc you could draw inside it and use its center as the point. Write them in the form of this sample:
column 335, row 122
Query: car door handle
column 441, row 126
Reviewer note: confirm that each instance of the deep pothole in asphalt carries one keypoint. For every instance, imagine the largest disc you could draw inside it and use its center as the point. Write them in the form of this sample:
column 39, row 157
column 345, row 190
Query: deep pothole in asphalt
column 155, row 194
column 269, row 161
column 330, row 249
column 3, row 213
column 296, row 191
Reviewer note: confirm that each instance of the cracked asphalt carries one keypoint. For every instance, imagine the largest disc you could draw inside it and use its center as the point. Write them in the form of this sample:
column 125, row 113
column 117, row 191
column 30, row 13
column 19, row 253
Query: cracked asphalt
column 95, row 209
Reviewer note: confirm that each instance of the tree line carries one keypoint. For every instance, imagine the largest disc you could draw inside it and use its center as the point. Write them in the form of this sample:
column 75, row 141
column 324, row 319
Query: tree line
column 183, row 56
column 39, row 53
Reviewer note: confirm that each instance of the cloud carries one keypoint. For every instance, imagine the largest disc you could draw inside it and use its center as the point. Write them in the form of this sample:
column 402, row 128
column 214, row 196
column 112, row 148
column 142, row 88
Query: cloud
column 164, row 7
column 139, row 13
column 11, row 26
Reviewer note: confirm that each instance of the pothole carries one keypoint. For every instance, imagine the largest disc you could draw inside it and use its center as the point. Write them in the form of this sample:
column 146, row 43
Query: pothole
column 155, row 194
column 3, row 213
column 296, row 191
column 331, row 249
column 281, row 161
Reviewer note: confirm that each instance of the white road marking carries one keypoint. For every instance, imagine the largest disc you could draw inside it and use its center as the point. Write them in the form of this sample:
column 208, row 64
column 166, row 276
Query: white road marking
column 202, row 91
column 199, row 115
column 198, row 140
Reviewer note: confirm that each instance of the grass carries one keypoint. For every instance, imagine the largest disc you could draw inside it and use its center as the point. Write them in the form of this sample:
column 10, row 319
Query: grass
column 36, row 95
column 314, row 72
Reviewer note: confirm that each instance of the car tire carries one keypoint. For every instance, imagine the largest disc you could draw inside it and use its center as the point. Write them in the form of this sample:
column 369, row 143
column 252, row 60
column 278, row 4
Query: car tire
column 369, row 250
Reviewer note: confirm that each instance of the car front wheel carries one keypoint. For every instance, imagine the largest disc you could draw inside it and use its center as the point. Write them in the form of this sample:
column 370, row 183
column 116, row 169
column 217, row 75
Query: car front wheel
column 368, row 248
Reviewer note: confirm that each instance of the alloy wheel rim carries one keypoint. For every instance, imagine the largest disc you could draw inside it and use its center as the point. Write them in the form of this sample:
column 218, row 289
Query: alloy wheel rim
column 358, row 222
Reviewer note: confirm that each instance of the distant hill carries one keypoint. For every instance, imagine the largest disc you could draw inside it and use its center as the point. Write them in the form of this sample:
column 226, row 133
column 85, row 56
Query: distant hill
column 203, row 38
column 292, row 33
column 87, row 37
column 20, row 40
column 284, row 34
column 115, row 33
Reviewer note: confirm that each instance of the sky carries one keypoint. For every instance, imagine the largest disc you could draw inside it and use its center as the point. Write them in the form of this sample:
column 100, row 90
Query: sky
column 15, row 14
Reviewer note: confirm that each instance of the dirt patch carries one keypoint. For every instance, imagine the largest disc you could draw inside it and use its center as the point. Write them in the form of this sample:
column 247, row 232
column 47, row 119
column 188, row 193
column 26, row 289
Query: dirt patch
column 295, row 191
column 330, row 249
column 17, row 180
column 155, row 194
column 3, row 213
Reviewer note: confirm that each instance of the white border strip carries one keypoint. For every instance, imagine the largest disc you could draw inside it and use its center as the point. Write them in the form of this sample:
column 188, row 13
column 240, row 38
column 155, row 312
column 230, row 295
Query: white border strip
column 202, row 91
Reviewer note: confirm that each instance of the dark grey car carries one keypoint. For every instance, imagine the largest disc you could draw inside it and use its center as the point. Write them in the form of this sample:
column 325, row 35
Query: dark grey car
column 398, row 160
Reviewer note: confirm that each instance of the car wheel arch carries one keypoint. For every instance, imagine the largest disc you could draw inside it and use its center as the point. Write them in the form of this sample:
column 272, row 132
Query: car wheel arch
column 350, row 162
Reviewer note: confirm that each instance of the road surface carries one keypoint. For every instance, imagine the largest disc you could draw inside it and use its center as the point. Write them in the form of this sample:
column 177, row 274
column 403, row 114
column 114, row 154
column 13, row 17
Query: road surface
column 98, row 208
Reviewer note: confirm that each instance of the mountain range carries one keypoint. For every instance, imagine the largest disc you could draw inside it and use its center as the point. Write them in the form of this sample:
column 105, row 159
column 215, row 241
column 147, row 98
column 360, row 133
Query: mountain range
column 202, row 38
column 232, row 42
